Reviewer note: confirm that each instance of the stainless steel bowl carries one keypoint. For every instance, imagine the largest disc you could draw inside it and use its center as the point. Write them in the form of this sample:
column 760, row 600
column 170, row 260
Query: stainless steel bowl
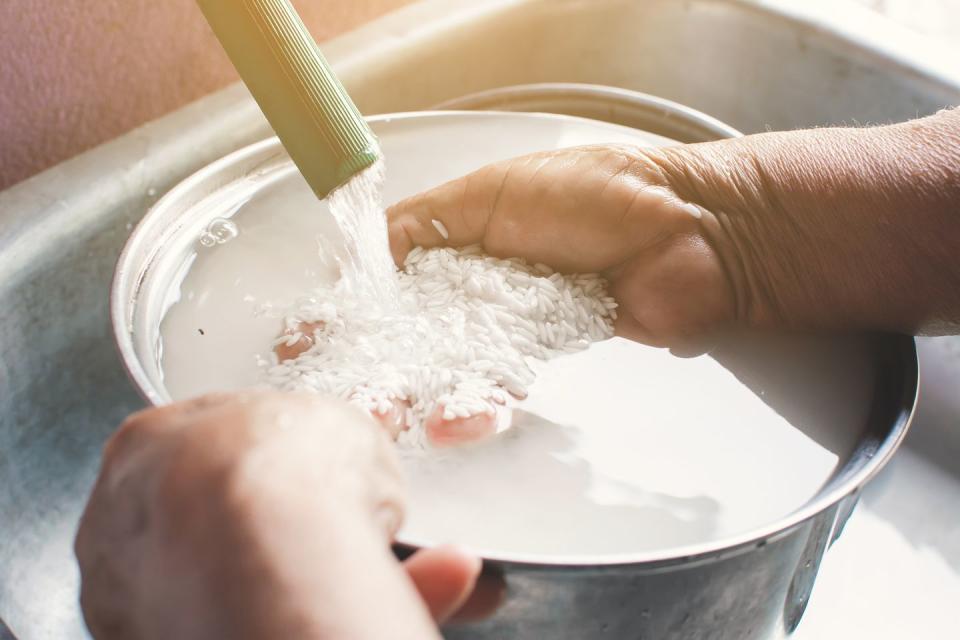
column 598, row 102
column 753, row 585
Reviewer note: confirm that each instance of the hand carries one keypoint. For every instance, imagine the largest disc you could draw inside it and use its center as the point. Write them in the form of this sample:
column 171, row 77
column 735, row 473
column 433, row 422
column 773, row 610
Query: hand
column 832, row 228
column 259, row 515
column 607, row 209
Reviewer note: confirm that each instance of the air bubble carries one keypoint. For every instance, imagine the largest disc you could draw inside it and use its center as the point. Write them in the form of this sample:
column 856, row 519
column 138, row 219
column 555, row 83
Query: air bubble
column 223, row 230
column 219, row 231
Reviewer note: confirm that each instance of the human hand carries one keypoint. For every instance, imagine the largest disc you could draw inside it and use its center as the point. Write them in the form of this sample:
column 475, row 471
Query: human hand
column 257, row 515
column 847, row 228
column 607, row 209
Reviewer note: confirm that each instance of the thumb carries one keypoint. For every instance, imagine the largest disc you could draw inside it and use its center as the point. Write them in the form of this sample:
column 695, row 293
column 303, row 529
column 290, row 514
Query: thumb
column 445, row 578
column 453, row 214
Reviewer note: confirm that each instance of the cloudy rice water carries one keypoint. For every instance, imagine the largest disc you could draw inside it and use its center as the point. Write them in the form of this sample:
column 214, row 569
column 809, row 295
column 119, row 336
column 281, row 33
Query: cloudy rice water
column 615, row 448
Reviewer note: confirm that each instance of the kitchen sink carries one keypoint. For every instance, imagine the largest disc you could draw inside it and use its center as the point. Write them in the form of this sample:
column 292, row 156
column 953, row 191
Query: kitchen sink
column 756, row 65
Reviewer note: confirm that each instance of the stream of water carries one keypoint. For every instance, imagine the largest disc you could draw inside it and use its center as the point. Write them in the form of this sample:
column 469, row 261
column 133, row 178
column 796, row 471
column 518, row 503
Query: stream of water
column 368, row 271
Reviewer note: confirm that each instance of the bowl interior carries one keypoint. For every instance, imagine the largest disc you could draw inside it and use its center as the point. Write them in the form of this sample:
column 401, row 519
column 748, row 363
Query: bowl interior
column 824, row 389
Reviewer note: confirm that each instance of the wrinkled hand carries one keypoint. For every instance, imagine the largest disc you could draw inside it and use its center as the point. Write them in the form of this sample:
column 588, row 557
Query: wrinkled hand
column 606, row 209
column 259, row 515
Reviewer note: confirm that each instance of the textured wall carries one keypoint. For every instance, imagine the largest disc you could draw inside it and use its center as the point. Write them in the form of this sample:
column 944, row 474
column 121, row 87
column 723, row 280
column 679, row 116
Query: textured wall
column 74, row 73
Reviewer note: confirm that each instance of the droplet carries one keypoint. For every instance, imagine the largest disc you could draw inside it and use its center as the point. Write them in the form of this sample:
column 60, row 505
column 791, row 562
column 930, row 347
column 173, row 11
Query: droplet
column 207, row 239
column 223, row 230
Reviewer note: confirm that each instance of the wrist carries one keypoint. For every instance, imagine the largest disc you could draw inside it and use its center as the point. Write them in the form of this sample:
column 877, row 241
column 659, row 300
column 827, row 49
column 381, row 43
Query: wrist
column 842, row 228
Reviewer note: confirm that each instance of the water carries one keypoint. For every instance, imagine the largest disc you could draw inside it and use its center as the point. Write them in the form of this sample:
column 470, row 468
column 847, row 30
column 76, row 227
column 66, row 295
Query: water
column 618, row 449
column 651, row 452
column 357, row 206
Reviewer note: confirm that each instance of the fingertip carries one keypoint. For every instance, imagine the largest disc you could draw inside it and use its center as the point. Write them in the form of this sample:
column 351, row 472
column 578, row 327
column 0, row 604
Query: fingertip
column 445, row 577
column 489, row 592
column 443, row 432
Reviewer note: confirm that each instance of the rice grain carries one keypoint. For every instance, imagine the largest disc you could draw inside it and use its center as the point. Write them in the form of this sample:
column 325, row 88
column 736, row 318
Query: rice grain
column 464, row 336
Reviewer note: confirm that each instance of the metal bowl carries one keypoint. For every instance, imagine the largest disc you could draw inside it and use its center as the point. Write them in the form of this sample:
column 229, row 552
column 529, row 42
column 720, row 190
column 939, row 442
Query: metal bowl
column 753, row 585
column 598, row 102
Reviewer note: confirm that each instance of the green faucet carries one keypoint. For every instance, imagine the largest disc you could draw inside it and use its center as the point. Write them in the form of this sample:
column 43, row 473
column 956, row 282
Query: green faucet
column 303, row 100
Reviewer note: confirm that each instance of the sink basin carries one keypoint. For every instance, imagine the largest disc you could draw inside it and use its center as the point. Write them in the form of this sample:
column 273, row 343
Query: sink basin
column 62, row 389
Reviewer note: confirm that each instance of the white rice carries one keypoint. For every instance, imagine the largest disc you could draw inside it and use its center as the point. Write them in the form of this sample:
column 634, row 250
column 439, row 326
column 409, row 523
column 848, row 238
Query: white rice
column 441, row 228
column 464, row 336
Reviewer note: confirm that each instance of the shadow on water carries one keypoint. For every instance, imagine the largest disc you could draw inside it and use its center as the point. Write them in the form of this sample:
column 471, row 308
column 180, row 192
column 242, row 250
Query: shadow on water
column 578, row 500
column 822, row 385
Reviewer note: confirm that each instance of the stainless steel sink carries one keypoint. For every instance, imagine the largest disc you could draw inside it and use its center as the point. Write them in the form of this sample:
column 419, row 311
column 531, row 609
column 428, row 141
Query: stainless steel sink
column 755, row 65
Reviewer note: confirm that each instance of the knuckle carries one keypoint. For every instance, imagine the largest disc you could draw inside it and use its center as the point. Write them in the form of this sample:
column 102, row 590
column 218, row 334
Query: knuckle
column 118, row 443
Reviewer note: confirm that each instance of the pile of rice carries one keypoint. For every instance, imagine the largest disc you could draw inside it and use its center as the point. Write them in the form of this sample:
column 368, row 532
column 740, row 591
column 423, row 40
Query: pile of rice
column 465, row 336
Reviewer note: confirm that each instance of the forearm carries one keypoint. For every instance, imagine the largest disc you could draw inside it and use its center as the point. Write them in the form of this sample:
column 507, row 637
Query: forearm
column 834, row 228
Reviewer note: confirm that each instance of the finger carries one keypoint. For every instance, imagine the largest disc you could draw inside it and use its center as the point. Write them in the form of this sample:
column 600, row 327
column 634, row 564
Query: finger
column 454, row 214
column 445, row 577
column 394, row 417
column 297, row 341
column 488, row 594
column 443, row 432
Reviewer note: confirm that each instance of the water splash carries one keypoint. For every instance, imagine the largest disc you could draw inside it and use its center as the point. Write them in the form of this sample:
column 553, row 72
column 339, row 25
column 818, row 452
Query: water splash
column 357, row 206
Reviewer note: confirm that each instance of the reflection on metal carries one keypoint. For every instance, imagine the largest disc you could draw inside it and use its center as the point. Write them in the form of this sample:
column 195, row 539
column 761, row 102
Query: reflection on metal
column 607, row 104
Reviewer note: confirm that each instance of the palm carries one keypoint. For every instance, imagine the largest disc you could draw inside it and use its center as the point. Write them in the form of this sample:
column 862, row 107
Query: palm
column 586, row 209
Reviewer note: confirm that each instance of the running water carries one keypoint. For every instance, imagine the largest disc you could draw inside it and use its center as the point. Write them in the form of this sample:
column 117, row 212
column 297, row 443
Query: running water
column 357, row 206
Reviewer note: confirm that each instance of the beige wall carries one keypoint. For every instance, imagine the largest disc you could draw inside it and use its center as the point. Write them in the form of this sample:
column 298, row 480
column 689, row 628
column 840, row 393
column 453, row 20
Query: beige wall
column 74, row 73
